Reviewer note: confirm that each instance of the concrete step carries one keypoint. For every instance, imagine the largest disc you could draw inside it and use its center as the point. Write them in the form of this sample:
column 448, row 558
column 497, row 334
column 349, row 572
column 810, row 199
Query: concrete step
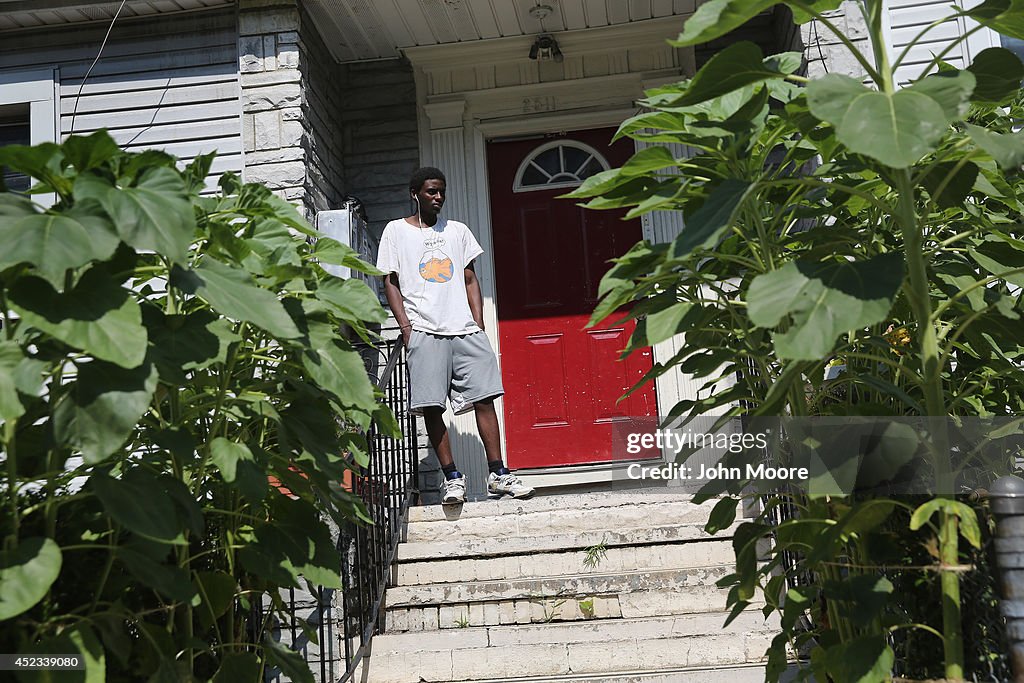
column 535, row 518
column 533, row 610
column 456, row 547
column 748, row 673
column 594, row 631
column 560, row 659
column 613, row 559
column 562, row 501
column 534, row 588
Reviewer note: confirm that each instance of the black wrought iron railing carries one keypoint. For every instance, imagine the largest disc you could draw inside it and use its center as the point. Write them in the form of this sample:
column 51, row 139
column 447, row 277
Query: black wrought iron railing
column 388, row 488
column 346, row 621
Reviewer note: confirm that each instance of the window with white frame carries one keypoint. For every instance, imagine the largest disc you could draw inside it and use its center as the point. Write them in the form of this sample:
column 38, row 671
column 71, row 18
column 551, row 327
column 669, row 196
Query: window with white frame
column 28, row 114
column 564, row 163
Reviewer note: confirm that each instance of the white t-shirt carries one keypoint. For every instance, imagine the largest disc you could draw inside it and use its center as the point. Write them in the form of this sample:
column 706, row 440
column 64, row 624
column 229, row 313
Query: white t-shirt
column 430, row 263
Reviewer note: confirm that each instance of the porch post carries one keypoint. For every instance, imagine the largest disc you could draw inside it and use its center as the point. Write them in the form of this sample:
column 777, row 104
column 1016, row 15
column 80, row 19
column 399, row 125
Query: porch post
column 447, row 139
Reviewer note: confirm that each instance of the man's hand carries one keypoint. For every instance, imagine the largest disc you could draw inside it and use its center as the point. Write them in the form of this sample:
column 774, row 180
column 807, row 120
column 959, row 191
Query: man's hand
column 393, row 293
column 476, row 298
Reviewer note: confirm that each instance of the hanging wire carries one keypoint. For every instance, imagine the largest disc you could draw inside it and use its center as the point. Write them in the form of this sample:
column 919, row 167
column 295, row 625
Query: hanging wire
column 74, row 111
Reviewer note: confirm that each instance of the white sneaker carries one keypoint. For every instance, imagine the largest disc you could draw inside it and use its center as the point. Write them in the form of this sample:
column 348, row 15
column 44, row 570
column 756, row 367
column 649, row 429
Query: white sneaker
column 499, row 485
column 453, row 491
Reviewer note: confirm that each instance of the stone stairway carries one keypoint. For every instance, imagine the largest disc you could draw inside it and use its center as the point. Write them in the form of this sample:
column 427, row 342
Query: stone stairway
column 576, row 587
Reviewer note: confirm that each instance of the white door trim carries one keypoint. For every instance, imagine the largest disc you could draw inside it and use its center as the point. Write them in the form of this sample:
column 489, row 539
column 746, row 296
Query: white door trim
column 459, row 116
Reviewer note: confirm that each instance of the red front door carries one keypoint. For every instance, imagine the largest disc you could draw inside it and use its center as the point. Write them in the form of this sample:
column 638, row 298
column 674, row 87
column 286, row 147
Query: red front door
column 562, row 381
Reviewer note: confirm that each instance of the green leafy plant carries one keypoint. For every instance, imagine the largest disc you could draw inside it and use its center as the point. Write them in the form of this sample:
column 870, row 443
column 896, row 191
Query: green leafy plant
column 586, row 607
column 833, row 224
column 551, row 608
column 594, row 555
column 179, row 409
column 462, row 621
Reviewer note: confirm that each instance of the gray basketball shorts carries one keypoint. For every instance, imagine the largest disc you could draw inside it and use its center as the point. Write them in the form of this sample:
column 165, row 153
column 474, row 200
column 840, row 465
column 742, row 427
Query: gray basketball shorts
column 461, row 368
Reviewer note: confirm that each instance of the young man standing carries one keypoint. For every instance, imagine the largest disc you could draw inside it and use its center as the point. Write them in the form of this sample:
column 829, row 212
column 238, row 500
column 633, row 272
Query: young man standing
column 434, row 293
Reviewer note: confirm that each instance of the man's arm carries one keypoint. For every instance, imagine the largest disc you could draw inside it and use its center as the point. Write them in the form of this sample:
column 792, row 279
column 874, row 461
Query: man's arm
column 393, row 293
column 476, row 299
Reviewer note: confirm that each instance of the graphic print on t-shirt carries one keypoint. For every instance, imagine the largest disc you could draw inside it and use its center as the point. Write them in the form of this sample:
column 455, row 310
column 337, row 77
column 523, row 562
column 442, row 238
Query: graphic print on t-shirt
column 435, row 265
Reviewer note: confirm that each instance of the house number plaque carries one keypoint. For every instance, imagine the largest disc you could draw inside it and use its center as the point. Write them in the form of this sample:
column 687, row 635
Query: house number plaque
column 537, row 104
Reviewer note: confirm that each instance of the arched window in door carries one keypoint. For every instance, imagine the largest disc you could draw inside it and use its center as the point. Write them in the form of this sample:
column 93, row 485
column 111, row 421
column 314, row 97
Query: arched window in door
column 558, row 164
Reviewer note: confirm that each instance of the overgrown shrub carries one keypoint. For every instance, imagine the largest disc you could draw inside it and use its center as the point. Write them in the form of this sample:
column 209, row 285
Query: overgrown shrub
column 832, row 224
column 163, row 353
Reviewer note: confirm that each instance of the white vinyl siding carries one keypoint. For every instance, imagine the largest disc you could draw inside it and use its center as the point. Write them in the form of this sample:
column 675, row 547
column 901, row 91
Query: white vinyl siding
column 168, row 83
column 906, row 18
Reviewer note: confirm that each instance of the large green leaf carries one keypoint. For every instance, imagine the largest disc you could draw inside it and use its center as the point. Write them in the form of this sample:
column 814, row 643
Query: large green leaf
column 226, row 455
column 894, row 128
column 739, row 65
column 155, row 214
column 867, row 659
column 351, row 300
column 722, row 516
column 296, row 546
column 86, row 152
column 951, row 90
column 139, row 502
column 663, row 324
column 715, row 18
column 238, row 666
column 171, row 581
column 54, row 242
column 333, row 252
column 862, row 597
column 1007, row 149
column 10, row 358
column 969, row 527
column 649, row 159
column 233, row 293
column 100, row 410
column 179, row 343
column 97, row 316
column 1004, row 16
column 341, row 371
column 217, row 590
column 949, row 182
column 822, row 301
column 288, row 661
column 998, row 72
column 42, row 162
column 26, row 574
column 78, row 639
column 708, row 224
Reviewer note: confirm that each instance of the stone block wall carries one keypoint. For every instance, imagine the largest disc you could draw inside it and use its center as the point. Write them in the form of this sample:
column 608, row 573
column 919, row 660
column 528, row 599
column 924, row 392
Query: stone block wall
column 268, row 63
column 315, row 130
column 824, row 51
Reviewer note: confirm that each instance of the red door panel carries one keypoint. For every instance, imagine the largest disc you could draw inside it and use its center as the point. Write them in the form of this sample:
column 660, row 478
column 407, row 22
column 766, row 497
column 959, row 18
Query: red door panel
column 562, row 381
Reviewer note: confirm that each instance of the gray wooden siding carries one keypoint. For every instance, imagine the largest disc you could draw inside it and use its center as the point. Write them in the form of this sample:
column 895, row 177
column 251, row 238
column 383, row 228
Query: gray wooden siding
column 322, row 104
column 167, row 83
column 381, row 146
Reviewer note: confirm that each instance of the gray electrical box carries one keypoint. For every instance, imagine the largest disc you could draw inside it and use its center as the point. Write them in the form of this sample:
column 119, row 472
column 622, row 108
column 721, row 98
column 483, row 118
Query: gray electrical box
column 347, row 226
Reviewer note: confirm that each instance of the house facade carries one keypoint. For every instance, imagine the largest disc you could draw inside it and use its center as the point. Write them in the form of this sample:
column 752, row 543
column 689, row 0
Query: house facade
column 322, row 100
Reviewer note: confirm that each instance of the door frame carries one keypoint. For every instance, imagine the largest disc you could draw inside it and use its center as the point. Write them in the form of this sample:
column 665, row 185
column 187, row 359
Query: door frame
column 455, row 127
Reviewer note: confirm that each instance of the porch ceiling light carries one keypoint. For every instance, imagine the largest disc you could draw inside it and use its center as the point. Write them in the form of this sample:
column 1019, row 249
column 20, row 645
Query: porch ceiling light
column 546, row 47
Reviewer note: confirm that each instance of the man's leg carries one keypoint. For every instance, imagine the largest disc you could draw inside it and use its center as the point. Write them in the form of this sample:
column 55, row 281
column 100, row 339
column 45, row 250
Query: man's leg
column 453, row 484
column 500, row 481
column 437, row 432
column 487, row 425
